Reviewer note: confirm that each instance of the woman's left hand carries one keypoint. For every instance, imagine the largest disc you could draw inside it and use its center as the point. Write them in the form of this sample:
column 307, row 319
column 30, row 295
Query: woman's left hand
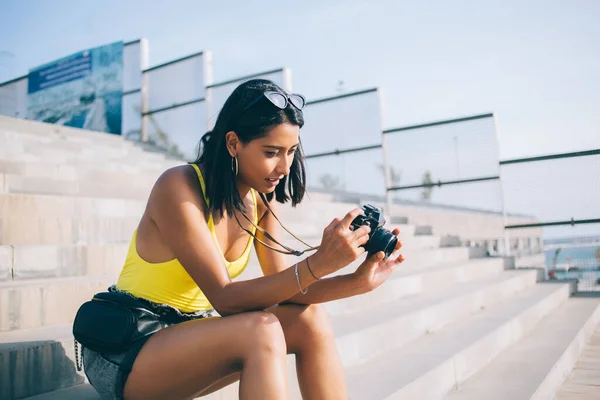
column 375, row 270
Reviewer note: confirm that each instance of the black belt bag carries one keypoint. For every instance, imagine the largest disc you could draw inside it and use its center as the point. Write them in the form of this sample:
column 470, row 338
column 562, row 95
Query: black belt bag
column 113, row 322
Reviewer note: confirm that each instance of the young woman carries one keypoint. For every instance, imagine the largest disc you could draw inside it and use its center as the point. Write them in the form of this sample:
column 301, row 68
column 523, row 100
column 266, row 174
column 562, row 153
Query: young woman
column 195, row 237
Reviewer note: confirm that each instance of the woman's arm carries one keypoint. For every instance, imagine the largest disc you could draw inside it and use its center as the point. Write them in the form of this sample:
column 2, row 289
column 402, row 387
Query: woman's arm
column 329, row 289
column 177, row 208
column 272, row 263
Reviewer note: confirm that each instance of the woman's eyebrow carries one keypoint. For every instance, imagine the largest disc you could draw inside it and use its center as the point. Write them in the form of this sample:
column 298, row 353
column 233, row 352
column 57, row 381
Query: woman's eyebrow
column 279, row 147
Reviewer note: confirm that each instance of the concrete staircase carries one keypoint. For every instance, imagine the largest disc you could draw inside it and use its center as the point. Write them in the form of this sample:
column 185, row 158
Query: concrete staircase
column 446, row 325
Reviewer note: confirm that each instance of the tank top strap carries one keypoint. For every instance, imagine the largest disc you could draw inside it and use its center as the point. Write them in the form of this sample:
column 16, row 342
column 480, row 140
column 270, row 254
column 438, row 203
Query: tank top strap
column 202, row 183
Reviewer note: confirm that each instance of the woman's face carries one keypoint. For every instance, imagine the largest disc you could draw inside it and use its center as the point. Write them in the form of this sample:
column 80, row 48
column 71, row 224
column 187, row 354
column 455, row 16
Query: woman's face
column 263, row 162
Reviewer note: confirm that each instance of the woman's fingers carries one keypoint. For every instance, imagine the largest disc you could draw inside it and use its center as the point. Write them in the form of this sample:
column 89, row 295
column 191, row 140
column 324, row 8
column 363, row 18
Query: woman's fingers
column 347, row 220
column 362, row 240
column 360, row 232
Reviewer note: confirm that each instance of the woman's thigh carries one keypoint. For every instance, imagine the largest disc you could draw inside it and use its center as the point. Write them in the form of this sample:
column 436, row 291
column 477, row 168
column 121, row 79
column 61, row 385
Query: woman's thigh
column 183, row 360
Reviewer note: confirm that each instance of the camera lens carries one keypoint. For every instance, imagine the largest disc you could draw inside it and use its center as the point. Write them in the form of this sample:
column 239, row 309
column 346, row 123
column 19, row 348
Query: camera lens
column 382, row 240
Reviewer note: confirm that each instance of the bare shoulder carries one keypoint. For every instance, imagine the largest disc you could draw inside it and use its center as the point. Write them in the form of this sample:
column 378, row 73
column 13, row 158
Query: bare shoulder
column 175, row 186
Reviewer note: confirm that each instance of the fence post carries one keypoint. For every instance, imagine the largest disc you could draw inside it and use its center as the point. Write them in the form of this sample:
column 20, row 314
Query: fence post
column 144, row 61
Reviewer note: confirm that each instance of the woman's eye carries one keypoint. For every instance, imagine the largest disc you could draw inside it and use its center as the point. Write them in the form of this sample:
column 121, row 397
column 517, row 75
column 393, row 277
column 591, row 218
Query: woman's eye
column 270, row 154
column 292, row 152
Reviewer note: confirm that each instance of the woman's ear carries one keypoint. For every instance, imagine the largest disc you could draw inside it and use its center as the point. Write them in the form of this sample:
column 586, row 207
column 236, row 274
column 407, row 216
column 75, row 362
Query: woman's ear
column 232, row 142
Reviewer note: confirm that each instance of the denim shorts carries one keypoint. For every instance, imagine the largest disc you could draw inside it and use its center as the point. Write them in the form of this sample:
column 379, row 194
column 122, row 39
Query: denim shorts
column 106, row 372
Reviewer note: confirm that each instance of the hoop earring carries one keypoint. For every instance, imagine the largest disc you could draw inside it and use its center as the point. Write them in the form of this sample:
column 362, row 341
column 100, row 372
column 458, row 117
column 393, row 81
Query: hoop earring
column 234, row 166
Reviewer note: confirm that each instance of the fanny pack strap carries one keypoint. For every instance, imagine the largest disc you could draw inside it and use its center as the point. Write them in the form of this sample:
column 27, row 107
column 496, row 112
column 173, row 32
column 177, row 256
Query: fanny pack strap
column 78, row 355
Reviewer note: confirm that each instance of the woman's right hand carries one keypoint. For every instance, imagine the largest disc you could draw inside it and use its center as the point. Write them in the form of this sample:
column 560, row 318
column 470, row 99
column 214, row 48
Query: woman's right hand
column 340, row 245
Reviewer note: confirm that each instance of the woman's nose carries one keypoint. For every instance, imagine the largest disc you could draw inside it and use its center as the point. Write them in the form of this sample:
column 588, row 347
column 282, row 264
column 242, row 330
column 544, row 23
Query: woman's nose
column 284, row 165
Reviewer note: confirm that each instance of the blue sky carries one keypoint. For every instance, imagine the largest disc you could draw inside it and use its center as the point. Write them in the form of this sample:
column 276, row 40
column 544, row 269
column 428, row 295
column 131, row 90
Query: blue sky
column 536, row 64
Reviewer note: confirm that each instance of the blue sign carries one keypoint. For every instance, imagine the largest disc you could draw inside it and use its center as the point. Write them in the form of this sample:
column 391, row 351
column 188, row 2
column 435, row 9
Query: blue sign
column 83, row 90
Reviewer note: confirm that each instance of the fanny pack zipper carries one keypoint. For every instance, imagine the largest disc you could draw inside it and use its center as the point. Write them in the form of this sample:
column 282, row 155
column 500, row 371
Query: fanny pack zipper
column 127, row 306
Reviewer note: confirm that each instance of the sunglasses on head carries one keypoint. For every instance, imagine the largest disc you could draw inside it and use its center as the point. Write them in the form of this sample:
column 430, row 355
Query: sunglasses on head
column 280, row 100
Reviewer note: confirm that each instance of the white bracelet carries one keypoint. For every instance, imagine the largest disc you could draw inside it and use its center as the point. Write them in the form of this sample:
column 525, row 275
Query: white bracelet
column 298, row 280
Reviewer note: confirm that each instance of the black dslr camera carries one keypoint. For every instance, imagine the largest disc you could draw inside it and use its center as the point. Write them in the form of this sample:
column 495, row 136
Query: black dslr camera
column 379, row 239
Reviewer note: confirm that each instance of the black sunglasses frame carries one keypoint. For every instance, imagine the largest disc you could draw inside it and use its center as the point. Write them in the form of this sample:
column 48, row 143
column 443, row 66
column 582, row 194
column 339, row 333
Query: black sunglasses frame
column 288, row 100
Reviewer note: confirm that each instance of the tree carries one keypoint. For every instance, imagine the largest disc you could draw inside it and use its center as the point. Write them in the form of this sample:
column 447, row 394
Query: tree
column 426, row 195
column 598, row 254
column 556, row 253
column 394, row 175
column 161, row 138
column 329, row 181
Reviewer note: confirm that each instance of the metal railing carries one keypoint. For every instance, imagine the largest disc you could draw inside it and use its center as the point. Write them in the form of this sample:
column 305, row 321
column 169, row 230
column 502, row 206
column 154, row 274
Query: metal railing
column 563, row 191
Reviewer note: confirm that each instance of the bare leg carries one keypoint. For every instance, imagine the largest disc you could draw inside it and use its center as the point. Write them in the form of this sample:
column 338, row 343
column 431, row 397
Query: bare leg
column 309, row 336
column 184, row 360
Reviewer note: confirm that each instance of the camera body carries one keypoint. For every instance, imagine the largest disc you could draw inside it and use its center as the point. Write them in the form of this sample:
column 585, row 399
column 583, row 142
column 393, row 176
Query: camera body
column 380, row 239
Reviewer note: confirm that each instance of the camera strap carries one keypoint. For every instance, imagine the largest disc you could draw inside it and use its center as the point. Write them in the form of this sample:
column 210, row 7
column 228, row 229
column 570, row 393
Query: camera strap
column 288, row 250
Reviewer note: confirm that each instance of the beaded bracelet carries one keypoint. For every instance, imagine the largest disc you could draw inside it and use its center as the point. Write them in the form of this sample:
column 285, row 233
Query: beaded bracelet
column 298, row 280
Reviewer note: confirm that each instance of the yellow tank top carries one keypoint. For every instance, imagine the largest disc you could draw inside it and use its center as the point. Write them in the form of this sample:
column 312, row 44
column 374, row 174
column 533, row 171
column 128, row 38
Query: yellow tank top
column 168, row 282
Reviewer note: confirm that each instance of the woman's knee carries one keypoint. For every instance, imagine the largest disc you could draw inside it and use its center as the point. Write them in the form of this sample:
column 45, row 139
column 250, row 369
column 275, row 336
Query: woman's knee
column 312, row 325
column 263, row 331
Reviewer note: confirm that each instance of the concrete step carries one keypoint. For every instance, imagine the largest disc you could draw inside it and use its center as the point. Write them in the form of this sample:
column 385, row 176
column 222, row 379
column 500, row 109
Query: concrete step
column 361, row 336
column 65, row 231
column 83, row 391
column 45, row 206
column 407, row 281
column 431, row 365
column 82, row 141
column 83, row 150
column 26, row 304
column 63, row 171
column 44, row 131
column 88, row 162
column 34, row 361
column 37, row 303
column 426, row 258
column 21, row 262
column 584, row 381
column 74, row 144
column 12, row 129
column 103, row 246
column 82, row 206
column 95, row 185
column 424, row 230
column 537, row 364
column 42, row 349
column 19, row 146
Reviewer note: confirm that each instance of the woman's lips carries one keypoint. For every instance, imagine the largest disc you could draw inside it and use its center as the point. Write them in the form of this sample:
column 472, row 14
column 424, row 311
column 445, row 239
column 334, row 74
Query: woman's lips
column 272, row 182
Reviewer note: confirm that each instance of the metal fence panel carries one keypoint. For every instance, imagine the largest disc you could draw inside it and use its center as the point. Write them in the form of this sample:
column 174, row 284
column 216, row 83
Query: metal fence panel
column 13, row 98
column 132, row 61
column 178, row 130
column 218, row 93
column 573, row 253
column 132, row 116
column 176, row 82
column 477, row 196
column 358, row 172
column 554, row 189
column 443, row 152
column 342, row 122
